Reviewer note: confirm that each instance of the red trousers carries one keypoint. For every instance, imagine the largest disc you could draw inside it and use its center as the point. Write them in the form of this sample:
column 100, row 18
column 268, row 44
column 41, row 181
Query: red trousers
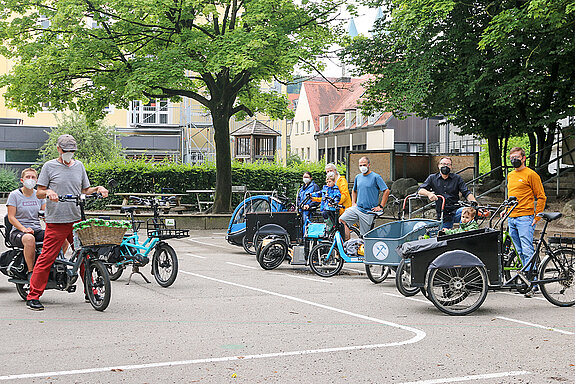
column 53, row 239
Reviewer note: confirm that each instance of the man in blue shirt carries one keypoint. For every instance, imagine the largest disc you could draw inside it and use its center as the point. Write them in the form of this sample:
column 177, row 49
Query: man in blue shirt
column 364, row 199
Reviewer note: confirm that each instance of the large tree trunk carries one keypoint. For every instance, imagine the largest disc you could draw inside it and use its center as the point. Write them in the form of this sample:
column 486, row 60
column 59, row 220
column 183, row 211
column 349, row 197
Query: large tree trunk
column 223, row 197
column 495, row 156
column 532, row 149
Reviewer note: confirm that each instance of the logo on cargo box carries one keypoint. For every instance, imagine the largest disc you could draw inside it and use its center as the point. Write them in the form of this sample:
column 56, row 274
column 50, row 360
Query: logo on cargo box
column 380, row 250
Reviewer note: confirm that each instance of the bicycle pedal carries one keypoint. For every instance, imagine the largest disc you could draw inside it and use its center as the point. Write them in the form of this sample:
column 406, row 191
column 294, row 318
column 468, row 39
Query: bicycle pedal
column 71, row 289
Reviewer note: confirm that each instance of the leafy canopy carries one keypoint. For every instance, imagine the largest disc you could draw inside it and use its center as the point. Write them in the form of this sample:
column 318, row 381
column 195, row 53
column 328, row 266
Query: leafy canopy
column 87, row 54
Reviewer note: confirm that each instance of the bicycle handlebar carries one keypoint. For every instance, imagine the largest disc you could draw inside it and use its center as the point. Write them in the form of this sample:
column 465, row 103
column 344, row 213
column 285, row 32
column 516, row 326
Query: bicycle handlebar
column 78, row 198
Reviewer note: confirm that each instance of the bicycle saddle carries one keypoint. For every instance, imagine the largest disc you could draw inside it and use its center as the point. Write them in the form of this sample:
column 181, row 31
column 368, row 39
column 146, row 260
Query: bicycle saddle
column 550, row 216
column 128, row 209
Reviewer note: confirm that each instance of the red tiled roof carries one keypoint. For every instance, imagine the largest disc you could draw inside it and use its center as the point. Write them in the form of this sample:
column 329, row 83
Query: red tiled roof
column 325, row 98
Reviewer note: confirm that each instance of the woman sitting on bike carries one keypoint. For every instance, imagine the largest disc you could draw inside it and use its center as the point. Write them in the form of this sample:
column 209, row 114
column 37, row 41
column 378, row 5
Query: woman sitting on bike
column 309, row 186
column 341, row 182
column 23, row 207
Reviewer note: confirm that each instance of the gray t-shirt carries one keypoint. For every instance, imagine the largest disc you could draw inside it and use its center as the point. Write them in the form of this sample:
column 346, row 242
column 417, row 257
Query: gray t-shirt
column 64, row 180
column 26, row 208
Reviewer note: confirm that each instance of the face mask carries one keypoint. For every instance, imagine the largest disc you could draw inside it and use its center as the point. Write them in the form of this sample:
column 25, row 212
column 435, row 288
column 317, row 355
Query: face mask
column 445, row 170
column 516, row 162
column 363, row 169
column 29, row 183
column 306, row 180
column 67, row 156
column 330, row 174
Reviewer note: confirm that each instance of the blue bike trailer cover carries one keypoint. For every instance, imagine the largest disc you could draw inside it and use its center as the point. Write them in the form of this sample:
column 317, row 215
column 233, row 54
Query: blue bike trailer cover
column 407, row 250
column 456, row 259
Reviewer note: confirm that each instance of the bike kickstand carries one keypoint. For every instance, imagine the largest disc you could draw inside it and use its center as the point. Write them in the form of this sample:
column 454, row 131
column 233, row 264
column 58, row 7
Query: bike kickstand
column 136, row 270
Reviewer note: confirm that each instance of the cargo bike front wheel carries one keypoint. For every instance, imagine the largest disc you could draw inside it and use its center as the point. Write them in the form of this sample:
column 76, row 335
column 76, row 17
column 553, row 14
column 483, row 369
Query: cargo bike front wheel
column 377, row 273
column 403, row 279
column 457, row 290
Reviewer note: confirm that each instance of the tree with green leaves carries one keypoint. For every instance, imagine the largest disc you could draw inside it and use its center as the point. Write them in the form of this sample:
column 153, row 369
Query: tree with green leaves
column 96, row 141
column 466, row 61
column 86, row 54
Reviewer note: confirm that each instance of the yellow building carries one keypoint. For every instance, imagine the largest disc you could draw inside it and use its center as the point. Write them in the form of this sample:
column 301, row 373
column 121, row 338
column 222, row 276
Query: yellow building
column 182, row 130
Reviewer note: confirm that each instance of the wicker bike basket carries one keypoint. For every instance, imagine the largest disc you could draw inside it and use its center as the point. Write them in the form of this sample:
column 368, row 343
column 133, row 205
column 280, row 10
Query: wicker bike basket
column 100, row 235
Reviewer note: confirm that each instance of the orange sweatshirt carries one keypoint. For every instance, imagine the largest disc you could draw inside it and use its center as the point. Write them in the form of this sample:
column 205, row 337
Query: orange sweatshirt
column 526, row 185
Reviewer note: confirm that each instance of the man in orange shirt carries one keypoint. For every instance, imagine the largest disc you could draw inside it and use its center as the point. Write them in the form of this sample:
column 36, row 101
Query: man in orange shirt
column 525, row 184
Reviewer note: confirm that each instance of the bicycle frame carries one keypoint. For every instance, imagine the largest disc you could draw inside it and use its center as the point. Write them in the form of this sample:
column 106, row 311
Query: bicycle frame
column 338, row 242
column 133, row 241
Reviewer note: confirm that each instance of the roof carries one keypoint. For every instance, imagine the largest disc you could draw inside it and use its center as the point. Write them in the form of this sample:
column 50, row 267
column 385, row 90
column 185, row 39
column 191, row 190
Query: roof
column 326, row 98
column 255, row 128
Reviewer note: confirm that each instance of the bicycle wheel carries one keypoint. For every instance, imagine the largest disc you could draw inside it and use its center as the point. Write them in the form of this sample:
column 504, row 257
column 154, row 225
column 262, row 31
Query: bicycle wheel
column 23, row 290
column 403, row 279
column 248, row 247
column 115, row 271
column 323, row 263
column 562, row 268
column 97, row 284
column 377, row 273
column 457, row 291
column 272, row 254
column 165, row 265
column 354, row 233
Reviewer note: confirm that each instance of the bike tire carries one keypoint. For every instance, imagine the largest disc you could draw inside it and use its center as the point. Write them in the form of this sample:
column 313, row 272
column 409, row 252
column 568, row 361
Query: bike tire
column 272, row 254
column 165, row 265
column 248, row 247
column 403, row 279
column 457, row 291
column 115, row 271
column 97, row 284
column 322, row 267
column 560, row 293
column 23, row 290
column 377, row 273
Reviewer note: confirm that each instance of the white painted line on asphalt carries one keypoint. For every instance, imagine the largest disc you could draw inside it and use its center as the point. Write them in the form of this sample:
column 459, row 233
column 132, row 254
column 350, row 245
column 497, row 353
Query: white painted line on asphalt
column 198, row 256
column 536, row 325
column 355, row 270
column 219, row 233
column 419, row 335
column 521, row 295
column 238, row 265
column 405, row 297
column 213, row 245
column 302, row 277
column 469, row 378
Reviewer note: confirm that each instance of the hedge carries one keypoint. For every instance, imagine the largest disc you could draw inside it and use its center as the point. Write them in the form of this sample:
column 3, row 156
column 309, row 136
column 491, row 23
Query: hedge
column 144, row 176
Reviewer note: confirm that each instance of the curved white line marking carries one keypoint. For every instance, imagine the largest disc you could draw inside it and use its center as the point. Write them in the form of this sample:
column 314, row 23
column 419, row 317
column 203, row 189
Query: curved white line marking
column 419, row 335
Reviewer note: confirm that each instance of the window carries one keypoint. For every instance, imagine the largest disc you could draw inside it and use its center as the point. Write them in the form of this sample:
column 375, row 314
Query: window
column 265, row 147
column 372, row 119
column 308, row 154
column 296, row 128
column 322, row 123
column 308, row 126
column 349, row 118
column 243, row 146
column 21, row 156
column 154, row 112
column 358, row 118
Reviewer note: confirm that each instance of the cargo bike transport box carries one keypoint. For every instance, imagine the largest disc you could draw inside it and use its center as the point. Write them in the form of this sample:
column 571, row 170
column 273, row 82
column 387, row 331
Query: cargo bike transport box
column 381, row 242
column 288, row 221
column 482, row 243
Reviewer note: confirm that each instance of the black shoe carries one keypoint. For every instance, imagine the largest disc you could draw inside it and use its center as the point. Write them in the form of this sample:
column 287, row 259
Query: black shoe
column 34, row 305
column 86, row 299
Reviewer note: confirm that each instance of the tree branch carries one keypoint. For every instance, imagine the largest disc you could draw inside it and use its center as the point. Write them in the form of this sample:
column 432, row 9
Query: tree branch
column 242, row 108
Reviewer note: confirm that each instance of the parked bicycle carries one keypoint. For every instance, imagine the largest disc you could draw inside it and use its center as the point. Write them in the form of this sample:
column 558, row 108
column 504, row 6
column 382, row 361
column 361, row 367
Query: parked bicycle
column 64, row 272
column 135, row 253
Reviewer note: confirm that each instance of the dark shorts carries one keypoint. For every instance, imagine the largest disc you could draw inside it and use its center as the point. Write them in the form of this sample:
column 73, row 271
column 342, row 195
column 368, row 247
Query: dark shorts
column 16, row 237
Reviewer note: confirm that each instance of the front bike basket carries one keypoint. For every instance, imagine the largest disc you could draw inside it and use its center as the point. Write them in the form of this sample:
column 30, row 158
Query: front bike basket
column 162, row 232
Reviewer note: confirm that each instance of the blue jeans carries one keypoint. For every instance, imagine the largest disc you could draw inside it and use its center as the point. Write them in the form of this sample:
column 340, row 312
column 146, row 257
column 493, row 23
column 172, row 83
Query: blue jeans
column 448, row 224
column 521, row 231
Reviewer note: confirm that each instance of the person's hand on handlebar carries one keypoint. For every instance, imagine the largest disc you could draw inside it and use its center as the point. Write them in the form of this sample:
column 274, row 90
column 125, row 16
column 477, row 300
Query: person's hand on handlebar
column 432, row 197
column 52, row 196
column 377, row 208
column 102, row 191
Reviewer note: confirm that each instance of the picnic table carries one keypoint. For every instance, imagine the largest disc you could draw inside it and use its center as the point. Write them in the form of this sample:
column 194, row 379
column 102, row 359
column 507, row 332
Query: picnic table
column 175, row 203
column 205, row 203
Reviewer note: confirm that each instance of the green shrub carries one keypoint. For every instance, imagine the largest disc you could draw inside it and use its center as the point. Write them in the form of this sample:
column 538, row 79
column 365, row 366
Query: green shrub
column 144, row 176
column 9, row 181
